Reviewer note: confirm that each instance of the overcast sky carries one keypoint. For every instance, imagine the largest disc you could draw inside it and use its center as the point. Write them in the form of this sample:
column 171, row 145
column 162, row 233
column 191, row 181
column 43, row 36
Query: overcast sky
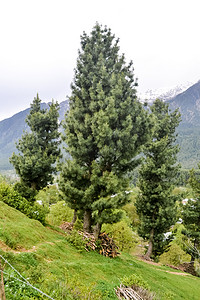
column 40, row 40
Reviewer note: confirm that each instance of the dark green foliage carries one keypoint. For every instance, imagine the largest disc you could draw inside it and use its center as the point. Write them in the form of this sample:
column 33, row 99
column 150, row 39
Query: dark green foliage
column 73, row 183
column 11, row 197
column 38, row 150
column 105, row 128
column 191, row 218
column 155, row 203
column 25, row 191
column 188, row 140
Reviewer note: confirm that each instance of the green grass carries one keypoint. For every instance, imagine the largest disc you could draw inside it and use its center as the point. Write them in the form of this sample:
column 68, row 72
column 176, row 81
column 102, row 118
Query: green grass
column 63, row 272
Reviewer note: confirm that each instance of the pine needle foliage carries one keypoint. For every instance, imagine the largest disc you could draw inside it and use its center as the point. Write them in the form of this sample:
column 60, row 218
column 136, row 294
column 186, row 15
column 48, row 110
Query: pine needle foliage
column 157, row 176
column 105, row 127
column 191, row 218
column 38, row 149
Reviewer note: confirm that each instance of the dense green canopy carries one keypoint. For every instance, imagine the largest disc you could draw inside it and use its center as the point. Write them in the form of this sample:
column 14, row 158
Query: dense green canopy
column 105, row 128
column 157, row 175
column 38, row 149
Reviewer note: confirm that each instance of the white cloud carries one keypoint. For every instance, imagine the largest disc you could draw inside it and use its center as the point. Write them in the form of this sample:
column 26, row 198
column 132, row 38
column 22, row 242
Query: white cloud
column 40, row 39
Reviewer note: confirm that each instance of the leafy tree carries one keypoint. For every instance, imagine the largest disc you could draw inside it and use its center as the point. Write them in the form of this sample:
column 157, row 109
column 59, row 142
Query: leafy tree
column 105, row 128
column 155, row 203
column 38, row 150
column 191, row 218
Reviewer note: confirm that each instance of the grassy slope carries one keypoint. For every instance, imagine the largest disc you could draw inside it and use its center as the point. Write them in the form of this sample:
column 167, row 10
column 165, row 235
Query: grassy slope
column 57, row 268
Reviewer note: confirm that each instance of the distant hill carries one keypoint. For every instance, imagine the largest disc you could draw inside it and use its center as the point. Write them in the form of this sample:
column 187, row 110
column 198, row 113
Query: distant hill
column 188, row 102
column 188, row 138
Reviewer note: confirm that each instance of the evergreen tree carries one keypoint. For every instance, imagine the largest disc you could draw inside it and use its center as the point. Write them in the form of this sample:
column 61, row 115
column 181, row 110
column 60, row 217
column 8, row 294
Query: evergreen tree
column 105, row 127
column 38, row 150
column 191, row 218
column 155, row 203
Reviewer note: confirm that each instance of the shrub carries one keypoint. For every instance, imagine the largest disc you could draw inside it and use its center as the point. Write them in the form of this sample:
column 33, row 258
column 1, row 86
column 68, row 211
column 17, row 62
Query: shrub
column 138, row 285
column 77, row 240
column 174, row 256
column 59, row 213
column 78, row 225
column 135, row 280
column 122, row 234
column 11, row 197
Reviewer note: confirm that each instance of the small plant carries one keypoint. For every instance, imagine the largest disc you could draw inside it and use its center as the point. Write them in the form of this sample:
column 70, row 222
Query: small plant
column 135, row 285
column 77, row 240
column 78, row 225
column 16, row 289
column 134, row 280
column 169, row 296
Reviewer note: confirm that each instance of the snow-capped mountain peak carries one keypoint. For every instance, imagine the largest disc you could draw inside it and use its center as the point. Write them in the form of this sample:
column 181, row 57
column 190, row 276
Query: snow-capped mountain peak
column 165, row 93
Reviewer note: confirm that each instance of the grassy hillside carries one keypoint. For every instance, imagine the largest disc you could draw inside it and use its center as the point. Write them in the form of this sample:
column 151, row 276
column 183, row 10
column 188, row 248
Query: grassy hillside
column 57, row 268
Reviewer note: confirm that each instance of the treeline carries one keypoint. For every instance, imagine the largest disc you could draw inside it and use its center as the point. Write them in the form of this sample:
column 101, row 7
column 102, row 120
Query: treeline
column 188, row 140
column 182, row 177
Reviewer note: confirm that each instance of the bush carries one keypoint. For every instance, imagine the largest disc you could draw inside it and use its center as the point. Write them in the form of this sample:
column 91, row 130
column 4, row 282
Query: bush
column 138, row 285
column 12, row 198
column 135, row 280
column 59, row 213
column 122, row 234
column 77, row 240
column 174, row 256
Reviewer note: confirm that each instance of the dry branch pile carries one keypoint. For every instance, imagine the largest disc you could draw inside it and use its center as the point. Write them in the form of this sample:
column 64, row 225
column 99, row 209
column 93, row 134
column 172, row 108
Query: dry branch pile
column 90, row 240
column 67, row 226
column 108, row 247
column 134, row 292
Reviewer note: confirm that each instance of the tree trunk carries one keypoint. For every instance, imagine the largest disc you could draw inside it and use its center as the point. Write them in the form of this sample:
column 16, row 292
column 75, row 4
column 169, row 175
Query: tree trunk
column 87, row 221
column 97, row 230
column 150, row 247
column 192, row 254
column 74, row 217
column 33, row 185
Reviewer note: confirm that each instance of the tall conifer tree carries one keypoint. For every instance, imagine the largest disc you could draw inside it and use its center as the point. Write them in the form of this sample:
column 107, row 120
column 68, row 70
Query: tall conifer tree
column 157, row 175
column 38, row 150
column 191, row 218
column 105, row 127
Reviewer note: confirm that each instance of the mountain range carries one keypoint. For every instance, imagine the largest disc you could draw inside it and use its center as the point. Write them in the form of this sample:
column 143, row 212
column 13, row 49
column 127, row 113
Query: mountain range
column 188, row 138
